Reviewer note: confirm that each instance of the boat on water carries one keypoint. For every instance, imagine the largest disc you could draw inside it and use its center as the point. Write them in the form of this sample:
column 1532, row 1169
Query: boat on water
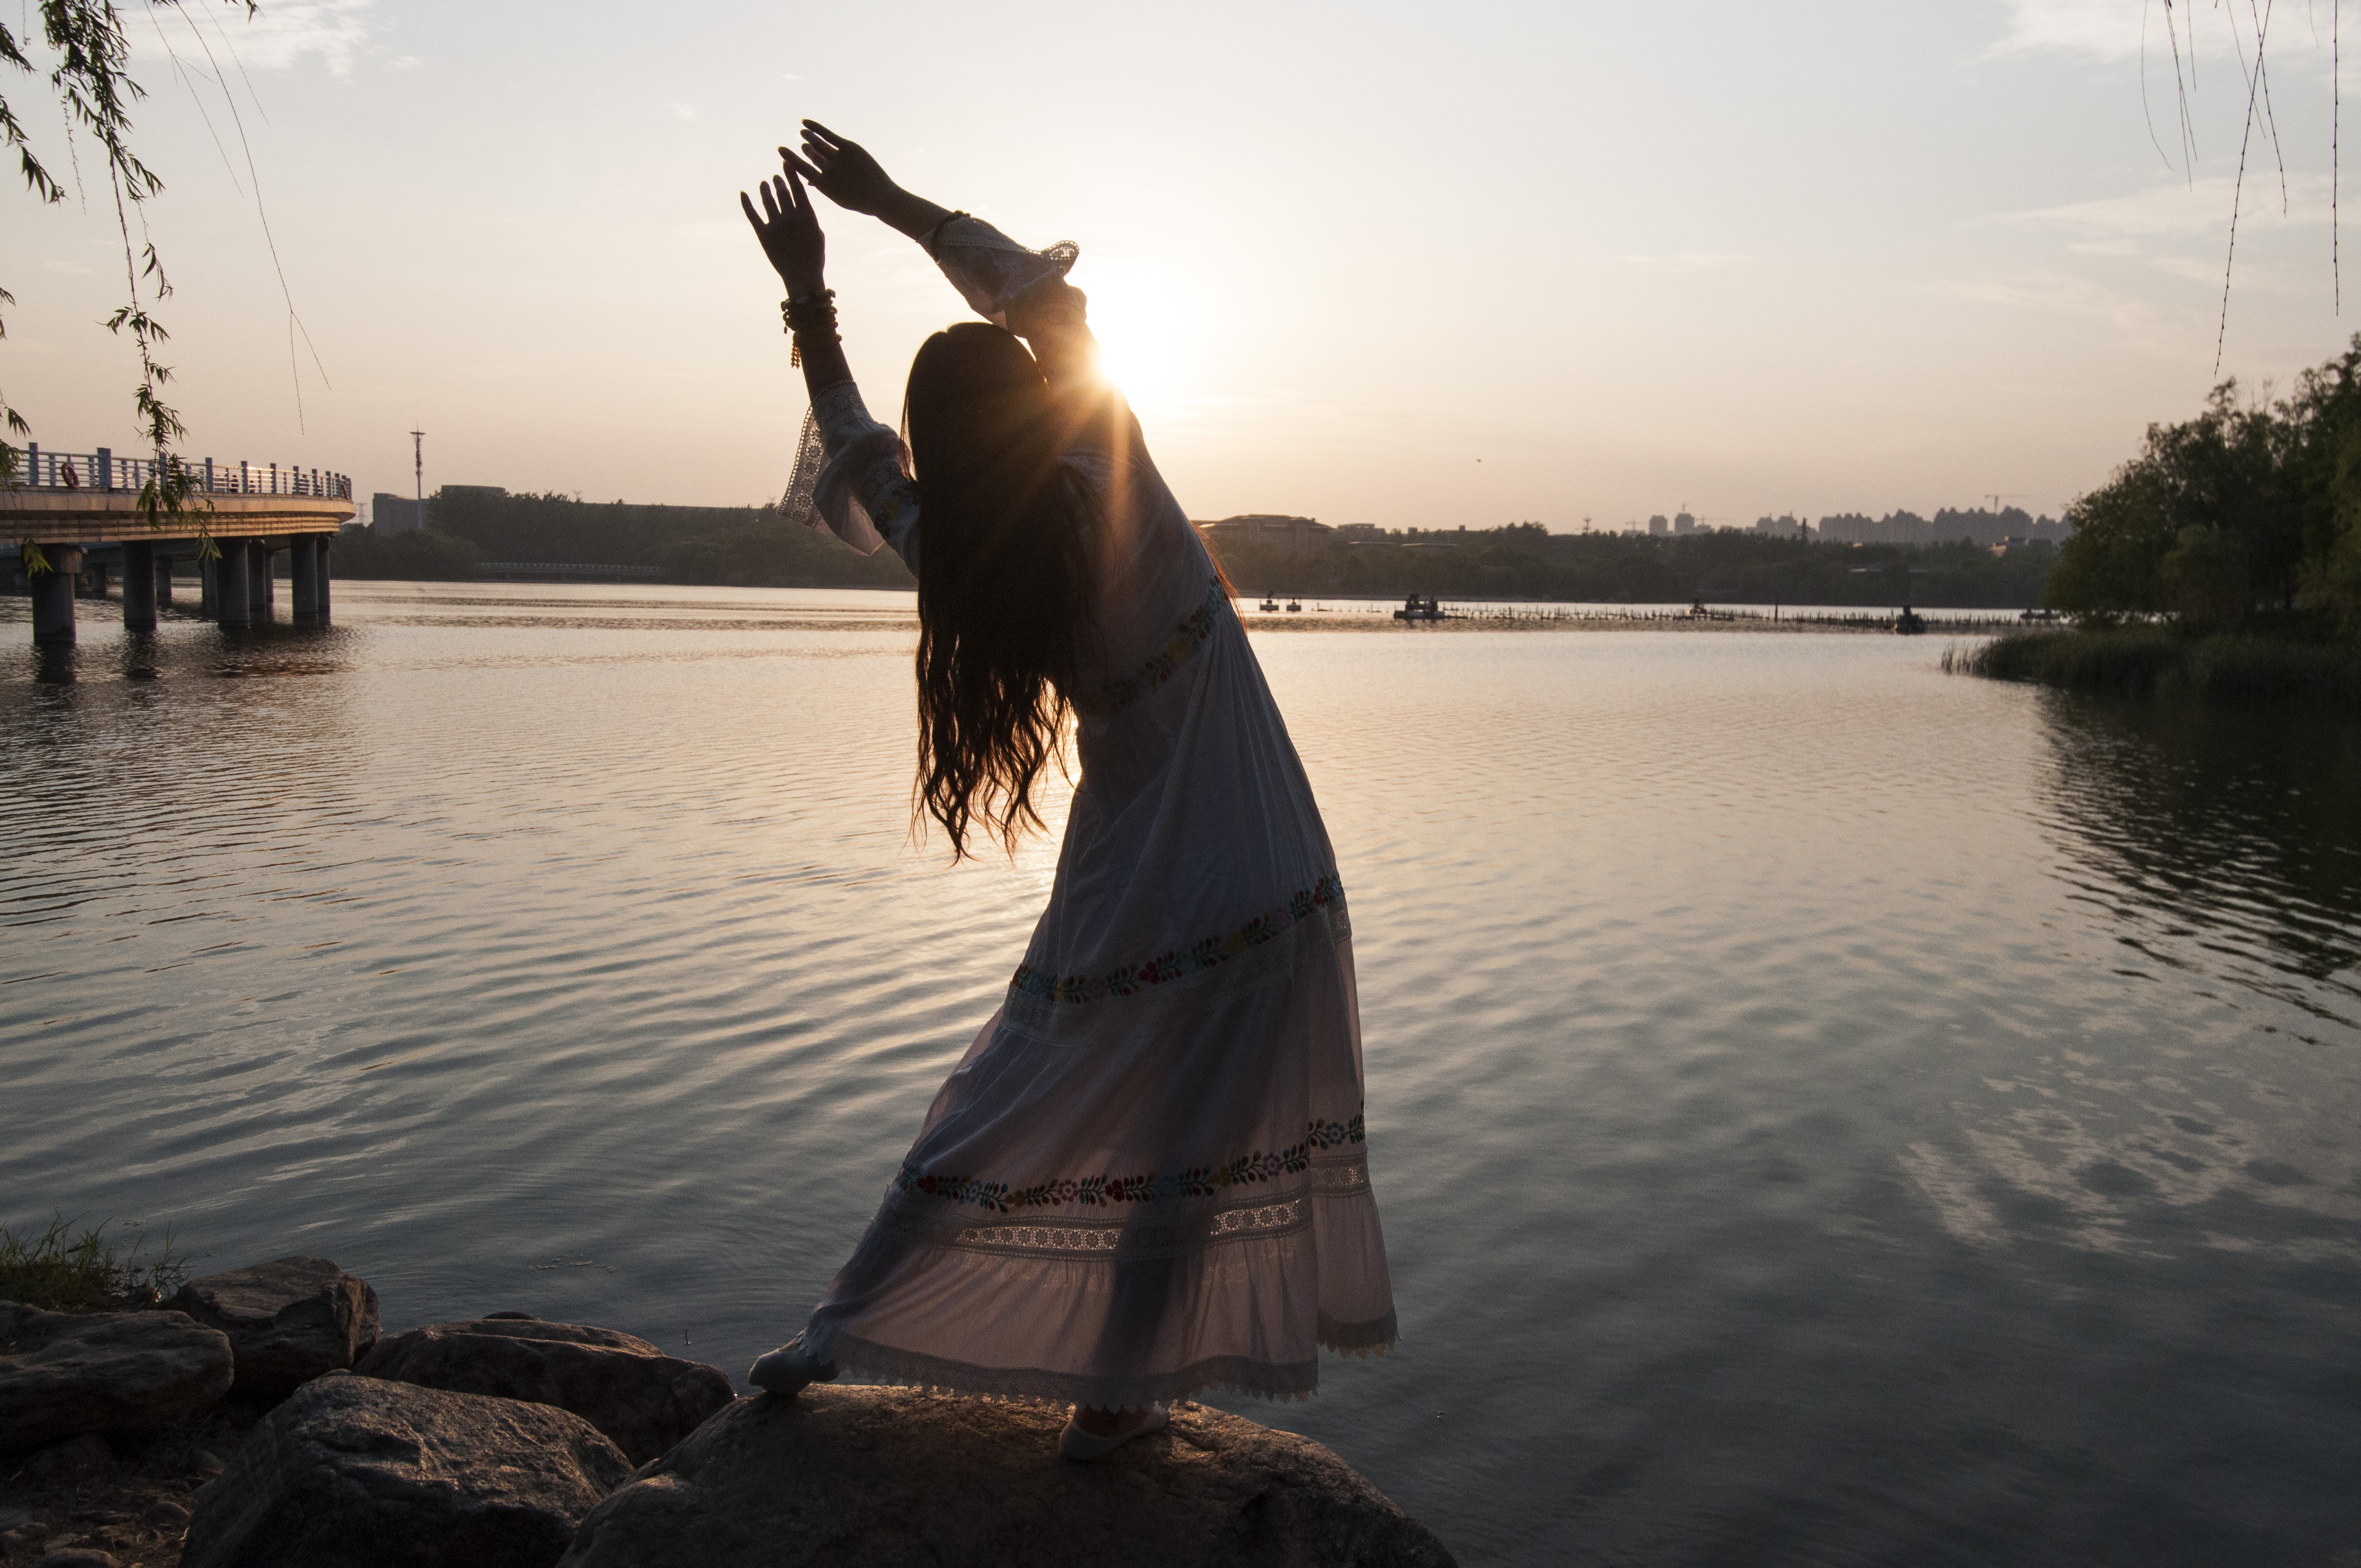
column 1267, row 605
column 1909, row 623
column 1419, row 607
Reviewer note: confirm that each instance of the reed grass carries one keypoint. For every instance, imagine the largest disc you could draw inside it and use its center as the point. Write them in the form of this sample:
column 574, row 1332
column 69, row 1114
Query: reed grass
column 58, row 1271
column 2144, row 660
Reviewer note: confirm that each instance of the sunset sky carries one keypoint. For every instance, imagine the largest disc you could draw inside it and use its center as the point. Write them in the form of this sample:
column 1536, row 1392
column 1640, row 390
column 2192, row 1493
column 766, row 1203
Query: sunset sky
column 1378, row 263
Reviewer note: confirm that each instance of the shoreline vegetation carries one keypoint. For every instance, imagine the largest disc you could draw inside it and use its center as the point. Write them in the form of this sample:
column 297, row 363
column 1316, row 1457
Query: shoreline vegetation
column 2223, row 561
column 2167, row 660
column 469, row 526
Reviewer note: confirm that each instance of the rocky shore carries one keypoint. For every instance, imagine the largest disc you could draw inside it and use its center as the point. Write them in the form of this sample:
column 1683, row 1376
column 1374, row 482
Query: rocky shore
column 259, row 1420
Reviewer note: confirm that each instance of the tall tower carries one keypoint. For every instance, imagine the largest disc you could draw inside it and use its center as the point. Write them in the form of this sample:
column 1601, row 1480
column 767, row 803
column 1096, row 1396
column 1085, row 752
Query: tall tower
column 417, row 466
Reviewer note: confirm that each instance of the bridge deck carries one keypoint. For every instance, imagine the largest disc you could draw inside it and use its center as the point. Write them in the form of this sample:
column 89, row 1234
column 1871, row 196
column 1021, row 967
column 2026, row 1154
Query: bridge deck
column 101, row 517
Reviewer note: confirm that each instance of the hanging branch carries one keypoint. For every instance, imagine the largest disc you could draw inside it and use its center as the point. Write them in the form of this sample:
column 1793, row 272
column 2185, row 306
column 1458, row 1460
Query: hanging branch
column 94, row 92
column 2256, row 83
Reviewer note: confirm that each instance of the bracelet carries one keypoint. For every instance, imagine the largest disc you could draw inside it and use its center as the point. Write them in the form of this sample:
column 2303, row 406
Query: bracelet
column 808, row 313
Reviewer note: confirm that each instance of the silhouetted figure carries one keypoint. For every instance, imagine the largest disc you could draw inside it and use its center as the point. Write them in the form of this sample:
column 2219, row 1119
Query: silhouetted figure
column 1147, row 1174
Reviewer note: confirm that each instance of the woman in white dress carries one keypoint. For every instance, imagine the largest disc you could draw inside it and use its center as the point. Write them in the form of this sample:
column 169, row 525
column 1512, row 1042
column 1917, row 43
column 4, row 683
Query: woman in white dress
column 1147, row 1176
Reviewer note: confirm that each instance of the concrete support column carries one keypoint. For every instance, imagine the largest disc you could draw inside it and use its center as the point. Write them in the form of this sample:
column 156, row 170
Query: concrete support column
column 303, row 551
column 53, row 598
column 257, row 580
column 139, row 585
column 320, row 576
column 163, row 579
column 209, row 585
column 230, row 585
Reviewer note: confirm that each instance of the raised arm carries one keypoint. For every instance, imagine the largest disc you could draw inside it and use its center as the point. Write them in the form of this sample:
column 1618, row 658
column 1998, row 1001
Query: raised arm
column 846, row 174
column 849, row 476
column 991, row 271
column 790, row 233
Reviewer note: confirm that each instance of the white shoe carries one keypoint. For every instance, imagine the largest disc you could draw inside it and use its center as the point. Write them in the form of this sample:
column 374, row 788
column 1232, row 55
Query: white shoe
column 1076, row 1444
column 786, row 1370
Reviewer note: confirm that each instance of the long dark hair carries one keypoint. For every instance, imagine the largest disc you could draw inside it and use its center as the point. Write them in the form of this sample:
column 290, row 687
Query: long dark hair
column 1003, row 580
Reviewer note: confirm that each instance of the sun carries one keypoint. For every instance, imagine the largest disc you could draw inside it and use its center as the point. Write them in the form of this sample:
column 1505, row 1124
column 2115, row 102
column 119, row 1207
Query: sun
column 1140, row 321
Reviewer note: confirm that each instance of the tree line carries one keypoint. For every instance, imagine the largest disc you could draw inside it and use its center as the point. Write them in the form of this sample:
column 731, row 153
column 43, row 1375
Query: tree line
column 757, row 546
column 741, row 546
column 2247, row 516
column 1726, row 566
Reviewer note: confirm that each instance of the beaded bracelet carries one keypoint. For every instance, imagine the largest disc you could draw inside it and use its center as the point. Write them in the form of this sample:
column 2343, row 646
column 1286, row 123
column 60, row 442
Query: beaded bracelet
column 814, row 313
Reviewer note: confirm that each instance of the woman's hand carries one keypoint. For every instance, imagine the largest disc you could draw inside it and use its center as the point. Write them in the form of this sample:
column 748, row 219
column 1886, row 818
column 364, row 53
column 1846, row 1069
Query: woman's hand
column 844, row 171
column 791, row 235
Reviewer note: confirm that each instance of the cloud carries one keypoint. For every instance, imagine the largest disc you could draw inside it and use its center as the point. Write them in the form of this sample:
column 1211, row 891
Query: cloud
column 2110, row 29
column 281, row 35
column 2064, row 294
column 2201, row 209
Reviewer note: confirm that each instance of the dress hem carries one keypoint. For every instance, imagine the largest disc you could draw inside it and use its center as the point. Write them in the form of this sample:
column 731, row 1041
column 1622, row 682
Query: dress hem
column 866, row 1360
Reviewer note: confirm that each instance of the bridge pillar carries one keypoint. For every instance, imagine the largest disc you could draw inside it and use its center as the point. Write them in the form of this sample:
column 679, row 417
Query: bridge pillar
column 231, row 582
column 53, row 598
column 320, row 575
column 257, row 588
column 209, row 584
column 303, row 574
column 163, row 579
column 140, row 585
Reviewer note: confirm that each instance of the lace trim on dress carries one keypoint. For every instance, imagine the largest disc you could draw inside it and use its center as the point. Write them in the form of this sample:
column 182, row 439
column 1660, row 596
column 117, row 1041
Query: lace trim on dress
column 1105, row 1191
column 1211, row 953
column 1112, row 1240
column 1363, row 1340
column 1189, row 635
column 990, row 269
column 851, row 477
column 1022, row 1385
column 1196, row 988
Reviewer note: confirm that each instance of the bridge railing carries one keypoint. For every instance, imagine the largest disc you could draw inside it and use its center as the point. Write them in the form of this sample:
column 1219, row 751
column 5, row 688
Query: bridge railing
column 105, row 473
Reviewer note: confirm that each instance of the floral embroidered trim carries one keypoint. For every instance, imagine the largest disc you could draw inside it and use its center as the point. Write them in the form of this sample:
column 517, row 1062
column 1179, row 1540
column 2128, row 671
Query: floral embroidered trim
column 1053, row 1238
column 1188, row 637
column 1096, row 1191
column 1211, row 953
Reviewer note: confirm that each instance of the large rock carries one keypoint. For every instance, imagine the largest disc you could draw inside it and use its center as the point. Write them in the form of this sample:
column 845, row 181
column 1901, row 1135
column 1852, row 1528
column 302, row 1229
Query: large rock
column 637, row 1394
column 884, row 1478
column 352, row 1472
column 63, row 1374
column 289, row 1320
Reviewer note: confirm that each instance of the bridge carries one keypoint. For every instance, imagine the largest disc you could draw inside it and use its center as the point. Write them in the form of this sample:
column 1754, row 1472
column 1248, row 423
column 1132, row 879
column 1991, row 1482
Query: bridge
column 81, row 512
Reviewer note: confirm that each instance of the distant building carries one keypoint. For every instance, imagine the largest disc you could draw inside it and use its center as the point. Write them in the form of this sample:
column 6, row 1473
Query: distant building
column 392, row 514
column 1359, row 533
column 1291, row 534
column 1657, row 525
column 400, row 514
column 1683, row 523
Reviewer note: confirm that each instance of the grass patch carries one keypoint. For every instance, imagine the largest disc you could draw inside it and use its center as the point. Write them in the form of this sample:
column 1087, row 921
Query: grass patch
column 2144, row 660
column 58, row 1271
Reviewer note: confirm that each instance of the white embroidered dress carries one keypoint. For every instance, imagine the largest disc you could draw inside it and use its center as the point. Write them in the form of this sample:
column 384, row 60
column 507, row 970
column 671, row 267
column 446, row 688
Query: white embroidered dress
column 1147, row 1176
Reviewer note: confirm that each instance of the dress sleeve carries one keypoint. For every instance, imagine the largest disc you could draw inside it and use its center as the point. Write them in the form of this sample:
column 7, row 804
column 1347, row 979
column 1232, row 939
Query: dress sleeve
column 853, row 477
column 990, row 269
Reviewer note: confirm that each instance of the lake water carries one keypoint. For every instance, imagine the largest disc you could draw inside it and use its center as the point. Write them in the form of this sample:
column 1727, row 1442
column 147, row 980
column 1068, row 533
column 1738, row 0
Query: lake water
column 1824, row 1111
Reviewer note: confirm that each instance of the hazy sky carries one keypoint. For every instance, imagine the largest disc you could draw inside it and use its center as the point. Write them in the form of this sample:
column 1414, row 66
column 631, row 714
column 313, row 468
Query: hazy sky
column 1817, row 257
